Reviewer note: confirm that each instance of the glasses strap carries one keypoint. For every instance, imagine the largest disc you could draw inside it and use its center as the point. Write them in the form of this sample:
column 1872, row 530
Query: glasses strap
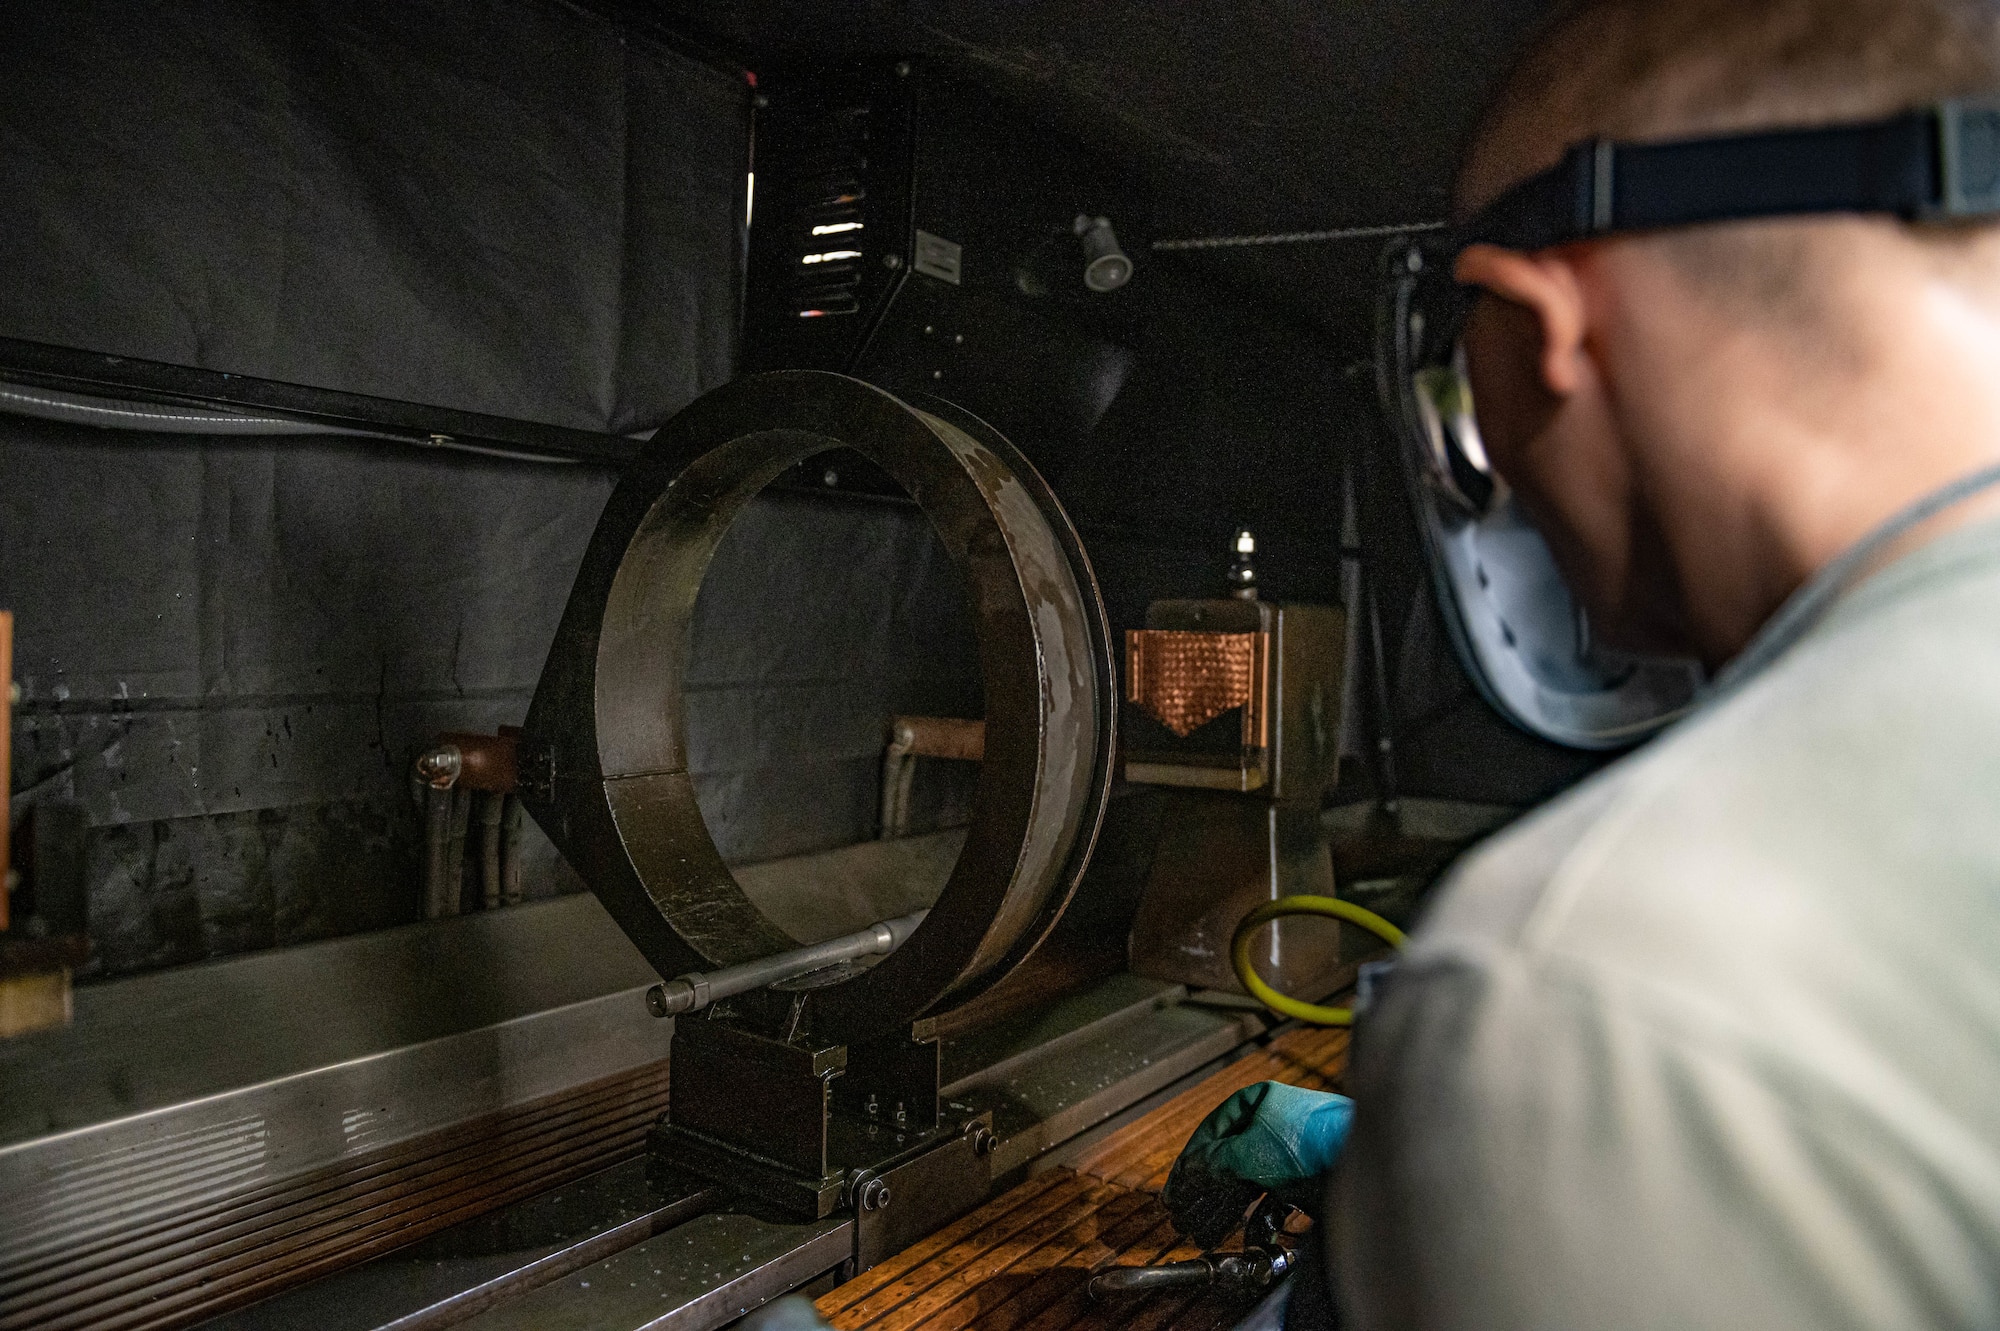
column 1938, row 163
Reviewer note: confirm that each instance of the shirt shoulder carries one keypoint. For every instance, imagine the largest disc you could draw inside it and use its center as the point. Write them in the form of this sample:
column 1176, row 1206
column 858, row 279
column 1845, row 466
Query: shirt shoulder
column 1858, row 778
column 1726, row 1016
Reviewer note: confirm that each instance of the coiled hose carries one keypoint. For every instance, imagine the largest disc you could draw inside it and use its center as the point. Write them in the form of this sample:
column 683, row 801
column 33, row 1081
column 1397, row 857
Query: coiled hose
column 1332, row 907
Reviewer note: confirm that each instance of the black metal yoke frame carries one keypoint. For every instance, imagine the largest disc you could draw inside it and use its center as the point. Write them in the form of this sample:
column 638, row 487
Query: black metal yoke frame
column 605, row 773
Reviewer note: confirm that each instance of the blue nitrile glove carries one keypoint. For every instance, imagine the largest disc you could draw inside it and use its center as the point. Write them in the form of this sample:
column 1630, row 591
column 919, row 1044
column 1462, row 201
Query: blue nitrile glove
column 1268, row 1138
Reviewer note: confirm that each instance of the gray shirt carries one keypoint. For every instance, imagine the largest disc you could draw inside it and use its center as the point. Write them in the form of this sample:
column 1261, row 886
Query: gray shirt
column 1713, row 1040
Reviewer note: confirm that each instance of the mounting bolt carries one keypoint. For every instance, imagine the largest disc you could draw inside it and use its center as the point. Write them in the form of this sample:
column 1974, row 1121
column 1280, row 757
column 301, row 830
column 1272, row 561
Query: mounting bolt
column 892, row 261
column 902, row 69
column 983, row 1140
column 874, row 1195
column 440, row 768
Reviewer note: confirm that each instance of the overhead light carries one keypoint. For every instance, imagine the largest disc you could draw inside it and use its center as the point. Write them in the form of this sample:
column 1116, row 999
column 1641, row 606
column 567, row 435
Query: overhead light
column 829, row 256
column 835, row 228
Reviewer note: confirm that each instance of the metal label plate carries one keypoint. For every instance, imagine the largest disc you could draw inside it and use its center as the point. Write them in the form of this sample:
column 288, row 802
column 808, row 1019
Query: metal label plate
column 937, row 257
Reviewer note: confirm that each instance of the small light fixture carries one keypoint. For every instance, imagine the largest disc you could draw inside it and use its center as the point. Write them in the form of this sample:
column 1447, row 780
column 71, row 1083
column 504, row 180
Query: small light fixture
column 1105, row 266
column 1243, row 570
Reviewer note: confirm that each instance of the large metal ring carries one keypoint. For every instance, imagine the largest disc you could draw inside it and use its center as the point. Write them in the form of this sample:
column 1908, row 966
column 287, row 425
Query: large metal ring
column 605, row 748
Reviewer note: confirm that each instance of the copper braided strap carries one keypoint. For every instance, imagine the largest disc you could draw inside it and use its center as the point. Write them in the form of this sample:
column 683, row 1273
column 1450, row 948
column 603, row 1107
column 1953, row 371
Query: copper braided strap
column 1185, row 679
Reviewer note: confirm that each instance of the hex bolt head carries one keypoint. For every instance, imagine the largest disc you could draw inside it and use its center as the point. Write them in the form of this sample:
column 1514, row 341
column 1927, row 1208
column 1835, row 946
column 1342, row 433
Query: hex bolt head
column 441, row 767
column 874, row 1195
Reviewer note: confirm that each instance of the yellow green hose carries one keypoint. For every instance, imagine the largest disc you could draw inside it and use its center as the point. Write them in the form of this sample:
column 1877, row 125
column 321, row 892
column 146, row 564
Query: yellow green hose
column 1333, row 907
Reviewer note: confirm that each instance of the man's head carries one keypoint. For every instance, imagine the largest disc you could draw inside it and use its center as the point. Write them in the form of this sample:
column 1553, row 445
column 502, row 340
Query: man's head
column 1699, row 418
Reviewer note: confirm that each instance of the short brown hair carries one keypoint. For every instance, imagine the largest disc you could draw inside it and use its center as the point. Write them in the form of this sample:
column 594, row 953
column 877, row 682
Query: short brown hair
column 1648, row 69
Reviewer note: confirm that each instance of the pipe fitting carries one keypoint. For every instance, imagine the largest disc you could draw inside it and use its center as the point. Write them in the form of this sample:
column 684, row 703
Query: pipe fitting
column 439, row 768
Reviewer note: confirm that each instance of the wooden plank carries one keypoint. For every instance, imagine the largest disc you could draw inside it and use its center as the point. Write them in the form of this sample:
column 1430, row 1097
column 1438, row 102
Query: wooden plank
column 895, row 1268
column 1137, row 1154
column 977, row 1296
column 1064, row 1284
column 1078, row 1193
column 1077, row 1310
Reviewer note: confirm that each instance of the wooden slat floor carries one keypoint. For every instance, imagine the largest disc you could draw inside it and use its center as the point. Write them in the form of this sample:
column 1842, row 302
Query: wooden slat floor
column 1020, row 1263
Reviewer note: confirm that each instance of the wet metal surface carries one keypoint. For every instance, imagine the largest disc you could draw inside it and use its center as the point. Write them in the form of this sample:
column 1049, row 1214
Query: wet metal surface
column 480, row 1263
column 702, row 1274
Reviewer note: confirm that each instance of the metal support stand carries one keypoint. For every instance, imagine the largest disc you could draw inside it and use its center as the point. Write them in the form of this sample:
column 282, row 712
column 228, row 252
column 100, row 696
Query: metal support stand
column 808, row 1128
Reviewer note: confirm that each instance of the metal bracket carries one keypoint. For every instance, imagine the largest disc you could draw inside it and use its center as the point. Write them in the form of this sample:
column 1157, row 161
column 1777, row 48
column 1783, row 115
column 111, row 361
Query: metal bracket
column 899, row 1202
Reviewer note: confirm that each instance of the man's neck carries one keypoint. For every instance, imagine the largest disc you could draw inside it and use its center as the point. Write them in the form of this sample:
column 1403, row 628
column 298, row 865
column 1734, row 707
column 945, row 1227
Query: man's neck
column 1770, row 490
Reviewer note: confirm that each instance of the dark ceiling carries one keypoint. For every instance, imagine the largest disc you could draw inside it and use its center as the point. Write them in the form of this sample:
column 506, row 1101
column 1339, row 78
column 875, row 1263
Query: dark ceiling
column 1250, row 118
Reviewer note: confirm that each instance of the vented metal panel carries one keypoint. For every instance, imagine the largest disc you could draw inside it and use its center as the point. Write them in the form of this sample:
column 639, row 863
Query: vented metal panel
column 169, row 1233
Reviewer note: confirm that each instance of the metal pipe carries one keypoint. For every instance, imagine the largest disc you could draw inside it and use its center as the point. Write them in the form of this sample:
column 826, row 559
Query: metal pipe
column 512, row 821
column 437, row 771
column 897, row 762
column 1131, row 1281
column 914, row 737
column 437, row 857
column 1248, row 1272
column 454, row 868
column 490, row 812
column 687, row 993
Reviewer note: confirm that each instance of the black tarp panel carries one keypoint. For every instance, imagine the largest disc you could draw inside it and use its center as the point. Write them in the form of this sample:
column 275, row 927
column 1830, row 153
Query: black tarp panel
column 513, row 207
column 230, row 652
column 819, row 619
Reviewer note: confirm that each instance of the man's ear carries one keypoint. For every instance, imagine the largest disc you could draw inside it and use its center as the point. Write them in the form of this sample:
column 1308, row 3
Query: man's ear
column 1547, row 287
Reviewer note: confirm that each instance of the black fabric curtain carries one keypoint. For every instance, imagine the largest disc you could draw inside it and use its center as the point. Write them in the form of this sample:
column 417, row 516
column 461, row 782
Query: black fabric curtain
column 229, row 649
column 514, row 207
